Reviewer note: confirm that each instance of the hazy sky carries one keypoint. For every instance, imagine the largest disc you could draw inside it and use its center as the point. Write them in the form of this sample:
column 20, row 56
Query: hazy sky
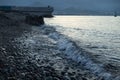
column 77, row 5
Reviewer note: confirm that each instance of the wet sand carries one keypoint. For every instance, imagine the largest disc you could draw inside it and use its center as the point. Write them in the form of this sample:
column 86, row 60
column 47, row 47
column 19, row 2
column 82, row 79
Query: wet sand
column 27, row 53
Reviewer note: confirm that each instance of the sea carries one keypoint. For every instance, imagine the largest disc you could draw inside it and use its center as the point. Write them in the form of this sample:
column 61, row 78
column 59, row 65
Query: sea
column 97, row 35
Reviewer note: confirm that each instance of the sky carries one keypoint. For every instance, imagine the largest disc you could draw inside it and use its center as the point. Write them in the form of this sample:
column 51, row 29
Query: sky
column 70, row 6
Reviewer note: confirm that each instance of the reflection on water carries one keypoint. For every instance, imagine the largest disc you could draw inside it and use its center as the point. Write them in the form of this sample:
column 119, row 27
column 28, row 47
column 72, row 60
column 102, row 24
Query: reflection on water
column 97, row 34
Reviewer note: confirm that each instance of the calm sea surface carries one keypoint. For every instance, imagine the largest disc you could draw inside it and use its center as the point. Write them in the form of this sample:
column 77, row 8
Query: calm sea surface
column 99, row 35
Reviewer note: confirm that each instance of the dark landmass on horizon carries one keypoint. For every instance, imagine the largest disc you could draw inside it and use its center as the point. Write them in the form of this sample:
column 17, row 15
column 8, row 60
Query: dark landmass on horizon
column 70, row 7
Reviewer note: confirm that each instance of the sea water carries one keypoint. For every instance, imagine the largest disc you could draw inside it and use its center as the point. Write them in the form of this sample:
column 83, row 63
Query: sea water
column 98, row 35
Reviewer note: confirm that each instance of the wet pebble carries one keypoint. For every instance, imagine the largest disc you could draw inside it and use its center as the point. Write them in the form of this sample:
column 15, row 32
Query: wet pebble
column 83, row 78
column 63, row 73
column 71, row 73
column 66, row 78
column 73, row 78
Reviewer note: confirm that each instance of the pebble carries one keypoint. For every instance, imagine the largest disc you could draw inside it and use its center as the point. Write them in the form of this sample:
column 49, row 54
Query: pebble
column 58, row 58
column 84, row 78
column 3, row 49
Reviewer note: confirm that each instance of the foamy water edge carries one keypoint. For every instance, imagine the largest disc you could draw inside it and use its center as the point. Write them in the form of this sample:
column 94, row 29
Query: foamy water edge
column 77, row 54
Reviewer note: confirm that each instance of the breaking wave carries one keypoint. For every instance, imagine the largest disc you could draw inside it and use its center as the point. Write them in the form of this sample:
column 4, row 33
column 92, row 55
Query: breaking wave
column 76, row 53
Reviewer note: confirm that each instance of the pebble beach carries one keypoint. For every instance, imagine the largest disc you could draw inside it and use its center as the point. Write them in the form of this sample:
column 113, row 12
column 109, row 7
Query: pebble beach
column 28, row 52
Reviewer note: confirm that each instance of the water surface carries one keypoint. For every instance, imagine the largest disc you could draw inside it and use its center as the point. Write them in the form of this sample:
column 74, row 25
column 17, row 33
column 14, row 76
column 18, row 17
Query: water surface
column 99, row 35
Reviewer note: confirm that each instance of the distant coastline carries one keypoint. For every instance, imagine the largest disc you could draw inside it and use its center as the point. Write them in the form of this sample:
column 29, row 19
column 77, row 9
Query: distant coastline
column 87, row 14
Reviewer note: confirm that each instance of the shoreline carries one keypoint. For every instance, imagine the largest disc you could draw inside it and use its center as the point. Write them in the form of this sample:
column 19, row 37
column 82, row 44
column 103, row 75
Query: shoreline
column 79, row 55
column 27, row 53
column 40, row 53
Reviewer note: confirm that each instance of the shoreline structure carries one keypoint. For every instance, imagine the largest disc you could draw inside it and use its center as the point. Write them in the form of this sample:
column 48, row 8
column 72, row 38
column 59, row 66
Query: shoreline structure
column 42, row 53
column 38, row 11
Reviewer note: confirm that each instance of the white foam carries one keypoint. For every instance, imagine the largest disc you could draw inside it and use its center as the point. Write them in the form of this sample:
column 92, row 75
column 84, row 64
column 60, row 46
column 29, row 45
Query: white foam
column 73, row 52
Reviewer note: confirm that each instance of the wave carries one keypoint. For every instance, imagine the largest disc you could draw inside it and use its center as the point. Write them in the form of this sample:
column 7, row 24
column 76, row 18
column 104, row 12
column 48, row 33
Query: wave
column 76, row 53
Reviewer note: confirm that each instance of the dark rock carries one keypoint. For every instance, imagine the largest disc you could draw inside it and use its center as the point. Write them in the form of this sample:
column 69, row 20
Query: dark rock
column 63, row 73
column 49, row 78
column 34, row 20
column 83, row 78
column 73, row 78
column 66, row 68
column 47, row 73
column 1, row 64
column 71, row 73
column 66, row 78
column 55, row 78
